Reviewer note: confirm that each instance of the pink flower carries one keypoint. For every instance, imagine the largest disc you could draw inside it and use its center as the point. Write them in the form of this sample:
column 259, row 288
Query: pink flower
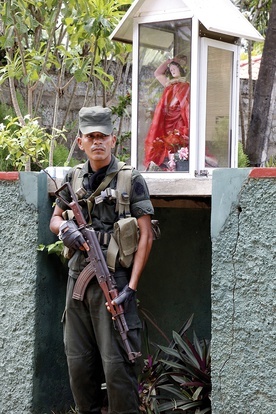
column 183, row 153
column 171, row 162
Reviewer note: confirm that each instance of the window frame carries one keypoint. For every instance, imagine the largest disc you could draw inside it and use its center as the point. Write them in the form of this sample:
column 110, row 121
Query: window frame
column 205, row 43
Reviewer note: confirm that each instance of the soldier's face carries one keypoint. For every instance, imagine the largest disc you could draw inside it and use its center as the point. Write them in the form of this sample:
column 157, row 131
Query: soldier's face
column 97, row 146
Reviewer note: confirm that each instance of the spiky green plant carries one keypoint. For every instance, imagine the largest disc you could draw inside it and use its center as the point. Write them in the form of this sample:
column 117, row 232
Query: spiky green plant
column 178, row 377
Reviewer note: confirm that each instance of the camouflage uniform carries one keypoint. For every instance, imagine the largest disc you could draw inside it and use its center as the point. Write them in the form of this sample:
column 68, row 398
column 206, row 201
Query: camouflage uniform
column 92, row 345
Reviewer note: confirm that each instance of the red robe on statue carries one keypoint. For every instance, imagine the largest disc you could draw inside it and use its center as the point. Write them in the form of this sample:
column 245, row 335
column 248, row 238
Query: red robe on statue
column 169, row 129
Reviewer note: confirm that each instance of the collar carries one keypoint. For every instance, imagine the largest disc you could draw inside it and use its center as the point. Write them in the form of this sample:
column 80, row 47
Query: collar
column 113, row 166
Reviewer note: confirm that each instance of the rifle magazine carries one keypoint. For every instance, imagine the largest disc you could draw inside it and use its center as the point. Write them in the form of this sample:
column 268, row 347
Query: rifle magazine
column 82, row 281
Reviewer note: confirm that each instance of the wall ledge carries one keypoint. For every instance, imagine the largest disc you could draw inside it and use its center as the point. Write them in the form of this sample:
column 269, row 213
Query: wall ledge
column 9, row 175
column 261, row 172
column 180, row 187
column 190, row 187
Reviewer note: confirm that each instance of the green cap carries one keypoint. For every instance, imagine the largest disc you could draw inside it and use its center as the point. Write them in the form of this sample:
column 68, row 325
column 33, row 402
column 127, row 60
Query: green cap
column 95, row 119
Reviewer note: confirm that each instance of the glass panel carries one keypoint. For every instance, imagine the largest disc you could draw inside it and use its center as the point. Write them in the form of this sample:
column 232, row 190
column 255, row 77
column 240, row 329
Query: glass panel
column 164, row 96
column 218, row 109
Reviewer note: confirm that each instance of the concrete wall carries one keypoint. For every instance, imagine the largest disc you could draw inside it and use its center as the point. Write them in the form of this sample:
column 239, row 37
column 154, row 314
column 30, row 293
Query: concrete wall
column 33, row 373
column 18, row 216
column 243, row 291
column 175, row 284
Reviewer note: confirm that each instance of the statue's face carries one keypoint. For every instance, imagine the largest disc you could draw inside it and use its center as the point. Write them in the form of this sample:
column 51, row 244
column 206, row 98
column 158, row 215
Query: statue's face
column 175, row 71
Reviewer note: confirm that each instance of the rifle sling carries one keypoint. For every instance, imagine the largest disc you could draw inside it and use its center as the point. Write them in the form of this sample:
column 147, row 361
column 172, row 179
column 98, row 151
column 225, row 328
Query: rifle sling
column 108, row 178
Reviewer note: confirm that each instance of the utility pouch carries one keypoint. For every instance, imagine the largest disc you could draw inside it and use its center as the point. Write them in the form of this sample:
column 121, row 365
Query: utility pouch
column 124, row 243
column 67, row 253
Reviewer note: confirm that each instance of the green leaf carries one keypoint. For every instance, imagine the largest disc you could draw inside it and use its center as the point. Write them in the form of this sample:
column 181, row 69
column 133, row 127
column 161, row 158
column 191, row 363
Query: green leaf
column 41, row 247
column 206, row 410
column 182, row 344
column 173, row 405
column 172, row 364
column 173, row 390
column 69, row 21
column 169, row 351
column 188, row 406
column 197, row 346
column 197, row 393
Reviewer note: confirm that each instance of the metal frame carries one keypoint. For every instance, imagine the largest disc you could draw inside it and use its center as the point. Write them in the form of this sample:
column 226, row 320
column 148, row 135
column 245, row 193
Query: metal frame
column 202, row 109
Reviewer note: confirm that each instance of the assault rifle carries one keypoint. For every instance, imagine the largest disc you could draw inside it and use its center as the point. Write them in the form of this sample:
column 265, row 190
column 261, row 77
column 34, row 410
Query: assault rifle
column 97, row 267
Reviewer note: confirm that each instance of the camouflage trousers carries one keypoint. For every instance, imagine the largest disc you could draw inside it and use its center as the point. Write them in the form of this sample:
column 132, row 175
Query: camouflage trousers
column 95, row 353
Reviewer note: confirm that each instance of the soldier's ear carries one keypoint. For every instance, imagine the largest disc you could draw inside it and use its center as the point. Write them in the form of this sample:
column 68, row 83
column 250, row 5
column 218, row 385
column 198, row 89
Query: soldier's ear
column 114, row 139
column 79, row 140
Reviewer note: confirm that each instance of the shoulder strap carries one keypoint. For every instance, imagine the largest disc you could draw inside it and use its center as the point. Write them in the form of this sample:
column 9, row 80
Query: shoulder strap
column 76, row 179
column 123, row 189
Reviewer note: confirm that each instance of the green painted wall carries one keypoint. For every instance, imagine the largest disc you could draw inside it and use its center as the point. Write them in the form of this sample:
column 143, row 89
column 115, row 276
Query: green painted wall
column 18, row 230
column 175, row 284
column 243, row 291
column 33, row 372
column 51, row 389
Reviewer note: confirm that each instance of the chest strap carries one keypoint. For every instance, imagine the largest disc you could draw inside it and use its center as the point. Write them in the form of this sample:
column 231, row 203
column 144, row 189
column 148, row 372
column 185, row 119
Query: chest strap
column 97, row 193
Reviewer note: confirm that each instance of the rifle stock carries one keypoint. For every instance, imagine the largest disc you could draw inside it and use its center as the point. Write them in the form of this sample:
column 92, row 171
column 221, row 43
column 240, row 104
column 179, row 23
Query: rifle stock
column 97, row 267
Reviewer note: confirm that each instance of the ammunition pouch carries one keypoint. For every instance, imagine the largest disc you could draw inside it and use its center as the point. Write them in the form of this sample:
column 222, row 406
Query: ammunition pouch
column 123, row 243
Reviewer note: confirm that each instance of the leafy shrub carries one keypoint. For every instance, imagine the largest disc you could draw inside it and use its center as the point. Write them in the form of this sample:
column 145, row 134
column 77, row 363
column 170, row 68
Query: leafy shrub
column 20, row 143
column 271, row 162
column 5, row 163
column 5, row 111
column 60, row 156
column 178, row 377
column 243, row 160
column 23, row 143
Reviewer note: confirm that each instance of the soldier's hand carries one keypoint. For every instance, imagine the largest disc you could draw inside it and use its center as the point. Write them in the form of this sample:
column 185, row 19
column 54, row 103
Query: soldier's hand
column 71, row 236
column 126, row 295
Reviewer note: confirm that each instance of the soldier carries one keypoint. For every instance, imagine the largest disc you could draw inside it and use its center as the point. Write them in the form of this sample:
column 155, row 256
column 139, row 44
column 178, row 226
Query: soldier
column 93, row 347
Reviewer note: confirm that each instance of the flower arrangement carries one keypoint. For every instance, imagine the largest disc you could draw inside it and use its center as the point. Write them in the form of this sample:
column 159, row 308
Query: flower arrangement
column 180, row 155
column 173, row 146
